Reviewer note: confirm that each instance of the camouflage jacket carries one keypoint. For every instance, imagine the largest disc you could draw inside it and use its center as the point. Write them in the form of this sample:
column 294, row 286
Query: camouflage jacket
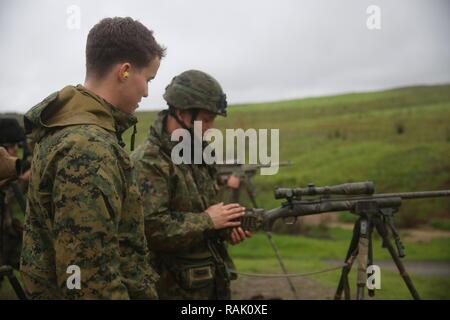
column 179, row 232
column 84, row 206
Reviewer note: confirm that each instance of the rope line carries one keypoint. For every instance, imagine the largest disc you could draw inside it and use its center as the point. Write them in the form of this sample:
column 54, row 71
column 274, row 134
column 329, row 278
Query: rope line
column 287, row 275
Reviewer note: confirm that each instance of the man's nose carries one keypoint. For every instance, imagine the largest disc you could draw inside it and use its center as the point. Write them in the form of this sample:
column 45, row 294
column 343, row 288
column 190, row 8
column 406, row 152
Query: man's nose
column 146, row 91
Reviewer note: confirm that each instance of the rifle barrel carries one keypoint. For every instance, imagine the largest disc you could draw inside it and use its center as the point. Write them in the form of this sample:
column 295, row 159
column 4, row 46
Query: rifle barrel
column 415, row 195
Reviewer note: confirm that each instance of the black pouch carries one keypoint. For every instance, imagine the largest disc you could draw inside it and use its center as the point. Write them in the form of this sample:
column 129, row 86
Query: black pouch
column 195, row 274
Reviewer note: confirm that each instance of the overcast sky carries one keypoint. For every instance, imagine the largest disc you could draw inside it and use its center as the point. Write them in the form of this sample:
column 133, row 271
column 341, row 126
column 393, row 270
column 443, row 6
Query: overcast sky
column 258, row 50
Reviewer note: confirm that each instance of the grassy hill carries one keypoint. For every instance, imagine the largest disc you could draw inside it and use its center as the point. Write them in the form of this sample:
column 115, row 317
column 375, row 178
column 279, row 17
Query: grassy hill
column 399, row 138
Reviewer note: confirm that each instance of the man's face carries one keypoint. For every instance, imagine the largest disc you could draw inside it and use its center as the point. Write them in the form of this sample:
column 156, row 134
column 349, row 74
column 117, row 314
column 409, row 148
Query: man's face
column 206, row 117
column 136, row 86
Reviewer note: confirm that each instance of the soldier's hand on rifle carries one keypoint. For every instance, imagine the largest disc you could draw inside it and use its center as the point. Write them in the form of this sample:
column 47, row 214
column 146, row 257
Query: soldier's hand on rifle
column 222, row 215
column 238, row 235
column 233, row 182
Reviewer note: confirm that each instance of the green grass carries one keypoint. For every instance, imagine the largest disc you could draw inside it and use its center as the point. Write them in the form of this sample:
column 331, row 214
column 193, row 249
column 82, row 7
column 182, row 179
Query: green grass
column 335, row 247
column 440, row 224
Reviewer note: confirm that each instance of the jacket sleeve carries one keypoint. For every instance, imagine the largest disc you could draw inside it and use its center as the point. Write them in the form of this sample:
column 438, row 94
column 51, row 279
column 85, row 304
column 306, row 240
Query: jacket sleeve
column 166, row 230
column 87, row 198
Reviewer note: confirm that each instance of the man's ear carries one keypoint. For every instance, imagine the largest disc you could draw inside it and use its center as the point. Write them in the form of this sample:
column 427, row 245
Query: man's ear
column 123, row 72
column 181, row 114
column 184, row 116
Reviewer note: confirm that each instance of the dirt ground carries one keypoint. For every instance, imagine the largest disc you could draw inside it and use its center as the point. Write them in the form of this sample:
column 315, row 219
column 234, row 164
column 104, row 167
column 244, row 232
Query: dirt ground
column 278, row 288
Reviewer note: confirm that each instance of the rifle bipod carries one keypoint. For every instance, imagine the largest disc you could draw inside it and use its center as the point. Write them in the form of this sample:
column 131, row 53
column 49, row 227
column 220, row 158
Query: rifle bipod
column 8, row 271
column 361, row 249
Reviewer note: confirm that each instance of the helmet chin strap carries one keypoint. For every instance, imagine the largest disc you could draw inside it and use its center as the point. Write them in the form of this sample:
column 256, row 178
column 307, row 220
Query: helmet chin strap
column 194, row 113
column 173, row 113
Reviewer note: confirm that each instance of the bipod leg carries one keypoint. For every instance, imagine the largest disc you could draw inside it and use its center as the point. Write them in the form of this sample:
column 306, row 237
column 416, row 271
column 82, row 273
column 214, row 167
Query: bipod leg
column 349, row 259
column 370, row 256
column 363, row 252
column 381, row 228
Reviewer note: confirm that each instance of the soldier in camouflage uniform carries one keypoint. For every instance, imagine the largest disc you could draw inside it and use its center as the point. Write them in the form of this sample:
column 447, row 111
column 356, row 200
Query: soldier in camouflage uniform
column 184, row 222
column 11, row 197
column 84, row 206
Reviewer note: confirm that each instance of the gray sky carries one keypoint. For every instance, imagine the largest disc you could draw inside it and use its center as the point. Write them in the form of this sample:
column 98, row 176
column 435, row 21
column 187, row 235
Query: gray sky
column 258, row 50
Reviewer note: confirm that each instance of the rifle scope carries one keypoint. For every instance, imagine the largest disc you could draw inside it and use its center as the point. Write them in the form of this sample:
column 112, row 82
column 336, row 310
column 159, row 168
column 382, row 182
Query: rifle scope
column 353, row 188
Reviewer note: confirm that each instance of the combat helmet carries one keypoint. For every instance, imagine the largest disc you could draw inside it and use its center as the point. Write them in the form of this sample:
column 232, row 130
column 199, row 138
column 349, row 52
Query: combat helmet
column 194, row 89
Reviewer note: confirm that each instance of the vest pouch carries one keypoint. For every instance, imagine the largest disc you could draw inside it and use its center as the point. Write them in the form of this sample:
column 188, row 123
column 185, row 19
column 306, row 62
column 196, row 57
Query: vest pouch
column 192, row 274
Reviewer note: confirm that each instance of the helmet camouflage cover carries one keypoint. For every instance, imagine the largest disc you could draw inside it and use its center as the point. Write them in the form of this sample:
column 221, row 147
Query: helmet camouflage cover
column 194, row 89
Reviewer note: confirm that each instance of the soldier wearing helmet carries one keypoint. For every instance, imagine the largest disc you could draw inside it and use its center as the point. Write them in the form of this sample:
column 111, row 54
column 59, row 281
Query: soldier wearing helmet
column 184, row 221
